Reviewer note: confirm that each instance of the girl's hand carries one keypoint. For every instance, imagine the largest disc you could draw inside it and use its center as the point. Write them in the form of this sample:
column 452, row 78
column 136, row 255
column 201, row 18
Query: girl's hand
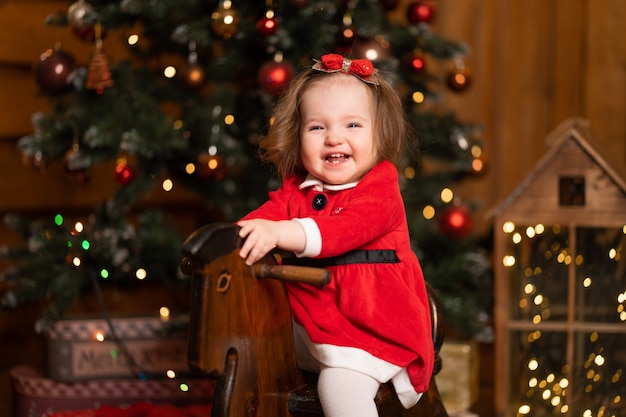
column 260, row 237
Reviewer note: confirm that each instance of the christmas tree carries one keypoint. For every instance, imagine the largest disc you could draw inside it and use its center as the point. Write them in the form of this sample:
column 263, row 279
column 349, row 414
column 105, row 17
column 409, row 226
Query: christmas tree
column 186, row 109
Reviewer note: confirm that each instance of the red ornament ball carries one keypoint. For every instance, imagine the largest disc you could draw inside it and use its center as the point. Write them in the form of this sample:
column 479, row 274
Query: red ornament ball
column 88, row 33
column 459, row 79
column 417, row 64
column 456, row 221
column 420, row 12
column 267, row 26
column 124, row 173
column 274, row 77
column 55, row 71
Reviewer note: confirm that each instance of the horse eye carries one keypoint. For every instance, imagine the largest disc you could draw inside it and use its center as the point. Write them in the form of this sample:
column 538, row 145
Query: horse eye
column 223, row 282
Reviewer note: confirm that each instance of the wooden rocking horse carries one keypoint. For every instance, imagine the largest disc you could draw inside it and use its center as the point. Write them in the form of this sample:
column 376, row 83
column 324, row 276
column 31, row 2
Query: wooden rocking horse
column 241, row 334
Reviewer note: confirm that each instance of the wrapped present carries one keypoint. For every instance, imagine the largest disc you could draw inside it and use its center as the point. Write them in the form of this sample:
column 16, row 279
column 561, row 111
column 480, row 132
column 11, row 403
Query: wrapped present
column 34, row 395
column 84, row 349
column 458, row 380
column 139, row 410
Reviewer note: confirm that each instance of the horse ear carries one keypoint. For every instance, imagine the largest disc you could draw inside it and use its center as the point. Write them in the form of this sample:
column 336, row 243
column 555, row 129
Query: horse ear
column 212, row 241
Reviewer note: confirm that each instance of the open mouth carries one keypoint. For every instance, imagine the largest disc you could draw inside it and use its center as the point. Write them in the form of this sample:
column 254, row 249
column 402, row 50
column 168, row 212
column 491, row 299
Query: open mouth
column 336, row 158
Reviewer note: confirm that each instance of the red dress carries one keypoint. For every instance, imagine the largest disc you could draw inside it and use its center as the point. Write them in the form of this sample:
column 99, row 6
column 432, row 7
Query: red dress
column 381, row 308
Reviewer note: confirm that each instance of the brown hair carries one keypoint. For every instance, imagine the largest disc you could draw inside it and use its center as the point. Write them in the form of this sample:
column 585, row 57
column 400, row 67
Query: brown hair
column 281, row 145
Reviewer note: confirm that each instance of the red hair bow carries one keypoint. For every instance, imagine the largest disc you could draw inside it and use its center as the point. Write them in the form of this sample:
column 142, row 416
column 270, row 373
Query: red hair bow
column 362, row 68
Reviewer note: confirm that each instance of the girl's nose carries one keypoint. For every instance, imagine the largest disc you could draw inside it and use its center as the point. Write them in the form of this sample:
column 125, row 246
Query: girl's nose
column 334, row 138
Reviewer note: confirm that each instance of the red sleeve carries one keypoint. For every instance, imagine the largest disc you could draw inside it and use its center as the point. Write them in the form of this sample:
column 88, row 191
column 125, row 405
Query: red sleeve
column 277, row 206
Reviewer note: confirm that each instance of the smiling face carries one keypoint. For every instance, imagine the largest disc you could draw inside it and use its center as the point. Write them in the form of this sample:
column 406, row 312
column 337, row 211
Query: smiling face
column 337, row 131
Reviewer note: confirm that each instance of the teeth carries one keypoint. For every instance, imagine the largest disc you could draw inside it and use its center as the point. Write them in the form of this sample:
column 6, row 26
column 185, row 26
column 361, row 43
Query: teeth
column 336, row 158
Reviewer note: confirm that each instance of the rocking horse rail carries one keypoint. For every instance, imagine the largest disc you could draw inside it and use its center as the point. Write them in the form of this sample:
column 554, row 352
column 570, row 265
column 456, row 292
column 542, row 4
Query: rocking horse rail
column 290, row 273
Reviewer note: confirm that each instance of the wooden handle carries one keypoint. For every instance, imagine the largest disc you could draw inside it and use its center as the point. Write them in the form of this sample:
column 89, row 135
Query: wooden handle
column 304, row 274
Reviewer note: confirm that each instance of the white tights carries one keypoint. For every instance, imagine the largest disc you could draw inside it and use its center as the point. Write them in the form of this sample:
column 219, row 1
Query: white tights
column 347, row 393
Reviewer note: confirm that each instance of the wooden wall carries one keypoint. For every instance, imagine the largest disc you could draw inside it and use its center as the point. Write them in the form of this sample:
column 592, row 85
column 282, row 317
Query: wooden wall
column 534, row 63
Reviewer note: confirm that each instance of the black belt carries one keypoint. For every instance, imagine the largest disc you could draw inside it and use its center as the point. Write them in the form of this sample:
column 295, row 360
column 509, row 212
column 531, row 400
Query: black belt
column 354, row 257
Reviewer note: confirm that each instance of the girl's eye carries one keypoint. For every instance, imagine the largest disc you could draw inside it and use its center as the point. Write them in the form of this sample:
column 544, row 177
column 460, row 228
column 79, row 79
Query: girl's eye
column 354, row 125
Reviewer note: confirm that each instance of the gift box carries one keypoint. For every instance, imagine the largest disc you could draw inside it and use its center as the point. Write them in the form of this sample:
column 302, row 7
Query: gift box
column 139, row 410
column 35, row 395
column 84, row 349
column 458, row 380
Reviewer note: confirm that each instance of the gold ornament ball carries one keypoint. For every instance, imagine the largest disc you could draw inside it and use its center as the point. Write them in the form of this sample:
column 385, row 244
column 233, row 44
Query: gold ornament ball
column 193, row 76
column 459, row 79
column 225, row 22
column 81, row 15
column 210, row 167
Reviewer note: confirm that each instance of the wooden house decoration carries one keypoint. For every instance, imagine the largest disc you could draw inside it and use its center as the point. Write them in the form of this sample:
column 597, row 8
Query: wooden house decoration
column 560, row 285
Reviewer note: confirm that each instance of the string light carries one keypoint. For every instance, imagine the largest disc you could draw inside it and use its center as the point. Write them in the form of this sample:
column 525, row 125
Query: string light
column 141, row 274
column 508, row 260
column 446, row 195
column 428, row 212
column 553, row 390
column 508, row 227
column 418, row 97
column 477, row 165
column 169, row 71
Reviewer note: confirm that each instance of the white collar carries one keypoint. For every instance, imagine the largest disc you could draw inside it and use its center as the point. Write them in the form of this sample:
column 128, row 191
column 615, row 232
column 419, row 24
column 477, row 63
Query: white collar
column 318, row 185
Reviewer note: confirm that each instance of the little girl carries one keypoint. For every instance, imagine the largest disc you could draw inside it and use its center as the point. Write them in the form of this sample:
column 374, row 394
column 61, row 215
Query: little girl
column 334, row 139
